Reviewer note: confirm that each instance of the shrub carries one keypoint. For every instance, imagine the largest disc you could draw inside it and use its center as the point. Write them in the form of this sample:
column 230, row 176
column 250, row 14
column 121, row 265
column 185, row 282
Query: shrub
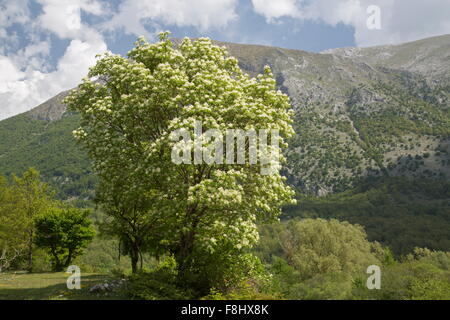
column 158, row 284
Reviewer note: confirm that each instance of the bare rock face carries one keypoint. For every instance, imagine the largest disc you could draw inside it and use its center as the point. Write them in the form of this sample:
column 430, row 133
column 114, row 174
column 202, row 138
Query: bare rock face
column 104, row 288
column 321, row 192
column 51, row 110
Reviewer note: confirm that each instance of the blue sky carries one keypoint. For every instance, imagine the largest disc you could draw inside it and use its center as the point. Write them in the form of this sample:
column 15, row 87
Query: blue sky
column 47, row 46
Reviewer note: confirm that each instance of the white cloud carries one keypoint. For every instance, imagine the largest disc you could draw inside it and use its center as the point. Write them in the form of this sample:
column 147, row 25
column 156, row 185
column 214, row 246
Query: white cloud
column 408, row 20
column 9, row 71
column 13, row 12
column 133, row 15
column 74, row 65
column 25, row 80
column 33, row 56
column 272, row 10
column 401, row 20
column 22, row 90
column 63, row 17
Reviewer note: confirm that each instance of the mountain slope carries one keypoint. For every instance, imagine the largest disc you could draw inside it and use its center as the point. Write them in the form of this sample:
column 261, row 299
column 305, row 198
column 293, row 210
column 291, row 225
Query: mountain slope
column 373, row 138
column 428, row 57
column 381, row 111
column 363, row 111
column 49, row 147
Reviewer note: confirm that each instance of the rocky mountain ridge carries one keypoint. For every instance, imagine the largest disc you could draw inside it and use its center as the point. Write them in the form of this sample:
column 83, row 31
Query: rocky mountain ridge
column 360, row 112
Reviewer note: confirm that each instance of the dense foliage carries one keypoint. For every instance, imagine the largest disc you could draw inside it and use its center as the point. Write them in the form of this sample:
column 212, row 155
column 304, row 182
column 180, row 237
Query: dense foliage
column 50, row 148
column 26, row 198
column 13, row 236
column 399, row 212
column 30, row 215
column 314, row 264
column 64, row 233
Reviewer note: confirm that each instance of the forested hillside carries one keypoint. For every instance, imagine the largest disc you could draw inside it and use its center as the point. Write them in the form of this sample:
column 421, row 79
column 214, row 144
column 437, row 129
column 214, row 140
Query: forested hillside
column 363, row 117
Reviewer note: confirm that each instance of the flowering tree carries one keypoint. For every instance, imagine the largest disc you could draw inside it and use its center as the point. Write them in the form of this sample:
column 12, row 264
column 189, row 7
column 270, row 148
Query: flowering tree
column 130, row 109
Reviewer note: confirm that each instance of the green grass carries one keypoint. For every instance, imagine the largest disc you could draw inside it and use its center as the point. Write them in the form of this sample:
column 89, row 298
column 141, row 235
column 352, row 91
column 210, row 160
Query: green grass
column 51, row 286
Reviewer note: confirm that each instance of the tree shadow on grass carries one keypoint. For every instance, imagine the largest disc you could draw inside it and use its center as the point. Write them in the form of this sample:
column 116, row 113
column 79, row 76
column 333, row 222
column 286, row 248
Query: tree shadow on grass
column 59, row 291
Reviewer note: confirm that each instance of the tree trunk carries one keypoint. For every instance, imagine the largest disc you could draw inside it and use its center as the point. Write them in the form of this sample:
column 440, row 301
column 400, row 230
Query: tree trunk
column 58, row 265
column 184, row 254
column 134, row 258
column 69, row 259
column 120, row 248
column 3, row 260
column 30, row 251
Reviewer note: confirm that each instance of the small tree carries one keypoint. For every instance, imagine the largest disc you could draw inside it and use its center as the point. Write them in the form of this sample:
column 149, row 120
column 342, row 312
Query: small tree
column 13, row 232
column 64, row 233
column 32, row 197
column 318, row 246
column 135, row 228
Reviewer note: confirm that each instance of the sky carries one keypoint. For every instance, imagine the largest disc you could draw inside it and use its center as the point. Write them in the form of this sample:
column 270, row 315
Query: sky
column 47, row 46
